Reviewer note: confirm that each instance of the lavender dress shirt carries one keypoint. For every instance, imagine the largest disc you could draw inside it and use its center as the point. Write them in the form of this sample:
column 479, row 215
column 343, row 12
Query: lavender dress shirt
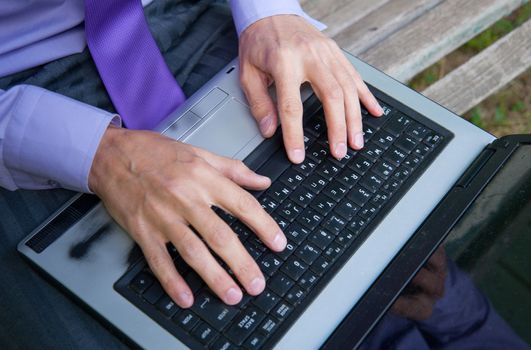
column 48, row 140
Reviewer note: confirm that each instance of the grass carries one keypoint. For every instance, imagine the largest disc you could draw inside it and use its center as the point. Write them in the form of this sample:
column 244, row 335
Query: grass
column 509, row 110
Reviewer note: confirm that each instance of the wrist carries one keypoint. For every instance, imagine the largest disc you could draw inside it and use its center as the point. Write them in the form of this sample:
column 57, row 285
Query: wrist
column 102, row 158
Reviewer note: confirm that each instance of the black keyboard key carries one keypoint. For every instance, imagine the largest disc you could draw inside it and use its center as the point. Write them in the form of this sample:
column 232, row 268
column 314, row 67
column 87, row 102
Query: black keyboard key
column 194, row 281
column 359, row 195
column 153, row 293
column 417, row 131
column 346, row 209
column 395, row 156
column 269, row 264
column 333, row 251
column 290, row 248
column 318, row 152
column 371, row 151
column 294, row 268
column 345, row 238
column 383, row 169
column 291, row 178
column 253, row 250
column 295, row 295
column 397, row 123
column 222, row 343
column 316, row 126
column 348, row 177
column 375, row 122
column 302, row 196
column 310, row 218
column 297, row 233
column 278, row 191
column 323, row 204
column 411, row 162
column 308, row 280
column 204, row 333
column 383, row 139
column 266, row 301
column 371, row 182
column 328, row 169
column 315, row 183
column 141, row 282
column 336, row 190
column 379, row 199
column 241, row 231
column 280, row 284
column 306, row 167
column 334, row 224
column 391, row 186
column 308, row 252
column 406, row 143
column 432, row 139
column 186, row 320
column 320, row 266
column 356, row 225
column 368, row 211
column 213, row 310
column 244, row 324
column 229, row 219
column 422, row 151
column 281, row 222
column 402, row 174
column 269, row 325
column 321, row 238
column 387, row 110
column 255, row 341
column 360, row 165
column 268, row 204
column 167, row 306
column 282, row 310
column 368, row 132
column 289, row 210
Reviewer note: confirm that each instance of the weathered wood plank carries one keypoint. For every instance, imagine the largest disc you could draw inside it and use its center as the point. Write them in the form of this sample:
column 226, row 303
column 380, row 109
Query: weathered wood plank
column 435, row 34
column 382, row 22
column 485, row 73
column 340, row 14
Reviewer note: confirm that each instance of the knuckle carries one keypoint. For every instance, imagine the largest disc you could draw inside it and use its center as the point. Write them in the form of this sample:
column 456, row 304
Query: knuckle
column 291, row 106
column 220, row 236
column 334, row 93
column 191, row 249
column 246, row 203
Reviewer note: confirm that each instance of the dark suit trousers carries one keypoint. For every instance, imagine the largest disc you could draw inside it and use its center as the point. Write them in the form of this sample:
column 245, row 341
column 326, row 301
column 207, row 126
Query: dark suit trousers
column 197, row 39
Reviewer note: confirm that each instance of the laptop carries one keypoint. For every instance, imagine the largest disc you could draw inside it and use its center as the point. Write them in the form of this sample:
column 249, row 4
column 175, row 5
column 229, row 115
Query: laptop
column 357, row 229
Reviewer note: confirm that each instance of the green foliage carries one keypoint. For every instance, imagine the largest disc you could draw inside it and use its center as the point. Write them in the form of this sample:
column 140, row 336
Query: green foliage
column 519, row 106
column 475, row 118
column 500, row 114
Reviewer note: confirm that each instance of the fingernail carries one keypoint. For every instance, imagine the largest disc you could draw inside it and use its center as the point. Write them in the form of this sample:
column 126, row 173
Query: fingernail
column 358, row 140
column 279, row 242
column 256, row 286
column 265, row 124
column 185, row 298
column 378, row 108
column 233, row 296
column 341, row 150
column 297, row 155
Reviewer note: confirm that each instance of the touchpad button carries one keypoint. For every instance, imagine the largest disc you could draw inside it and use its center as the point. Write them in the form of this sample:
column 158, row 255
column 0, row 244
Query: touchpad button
column 227, row 131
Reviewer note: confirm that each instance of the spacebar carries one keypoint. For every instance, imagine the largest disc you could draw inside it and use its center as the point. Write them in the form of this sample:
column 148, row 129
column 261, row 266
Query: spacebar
column 275, row 166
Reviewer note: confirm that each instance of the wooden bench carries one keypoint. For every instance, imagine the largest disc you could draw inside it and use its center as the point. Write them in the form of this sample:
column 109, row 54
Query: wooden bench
column 403, row 37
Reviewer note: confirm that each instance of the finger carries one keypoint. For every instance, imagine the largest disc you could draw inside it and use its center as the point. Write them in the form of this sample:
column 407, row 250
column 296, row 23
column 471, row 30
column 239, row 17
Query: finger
column 352, row 103
column 365, row 95
column 244, row 206
column 197, row 256
column 331, row 94
column 255, row 84
column 224, row 242
column 429, row 282
column 164, row 269
column 290, row 110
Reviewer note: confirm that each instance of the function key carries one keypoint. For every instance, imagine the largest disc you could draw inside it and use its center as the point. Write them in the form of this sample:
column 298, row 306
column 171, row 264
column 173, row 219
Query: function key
column 397, row 123
column 368, row 211
column 295, row 295
column 417, row 131
column 406, row 143
column 266, row 300
column 402, row 174
column 380, row 199
column 280, row 284
column 411, row 162
column 356, row 225
column 432, row 139
column 308, row 280
column 141, row 282
column 320, row 265
column 422, row 150
column 387, row 110
column 333, row 251
column 345, row 238
column 391, row 186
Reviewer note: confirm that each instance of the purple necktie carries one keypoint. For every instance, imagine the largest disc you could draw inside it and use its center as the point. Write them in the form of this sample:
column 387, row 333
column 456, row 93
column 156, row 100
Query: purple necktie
column 140, row 84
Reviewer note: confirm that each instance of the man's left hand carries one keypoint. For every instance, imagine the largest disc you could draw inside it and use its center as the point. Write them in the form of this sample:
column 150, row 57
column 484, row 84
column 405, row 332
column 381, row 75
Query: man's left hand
column 289, row 51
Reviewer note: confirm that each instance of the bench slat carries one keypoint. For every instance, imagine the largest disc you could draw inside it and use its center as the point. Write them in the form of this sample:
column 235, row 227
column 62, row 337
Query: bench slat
column 485, row 73
column 382, row 22
column 432, row 36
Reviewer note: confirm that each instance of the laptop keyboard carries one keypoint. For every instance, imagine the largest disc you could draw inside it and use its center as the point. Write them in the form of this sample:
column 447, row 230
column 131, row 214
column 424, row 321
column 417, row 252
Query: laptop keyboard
column 324, row 207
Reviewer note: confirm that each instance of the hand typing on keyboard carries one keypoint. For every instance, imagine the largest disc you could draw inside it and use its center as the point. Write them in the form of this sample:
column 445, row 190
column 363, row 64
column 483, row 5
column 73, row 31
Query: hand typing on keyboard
column 155, row 187
column 290, row 52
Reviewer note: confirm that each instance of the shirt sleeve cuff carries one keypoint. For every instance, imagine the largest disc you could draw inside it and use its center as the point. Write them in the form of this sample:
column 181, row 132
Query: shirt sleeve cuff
column 246, row 12
column 51, row 140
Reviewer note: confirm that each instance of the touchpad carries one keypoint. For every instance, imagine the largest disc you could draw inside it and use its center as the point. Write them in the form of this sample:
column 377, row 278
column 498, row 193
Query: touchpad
column 227, row 131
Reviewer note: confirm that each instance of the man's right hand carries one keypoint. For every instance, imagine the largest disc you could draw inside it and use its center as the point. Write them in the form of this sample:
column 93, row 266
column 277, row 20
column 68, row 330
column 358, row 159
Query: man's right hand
column 154, row 187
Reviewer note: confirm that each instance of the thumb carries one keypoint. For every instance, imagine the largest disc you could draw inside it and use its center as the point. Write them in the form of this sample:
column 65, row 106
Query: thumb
column 254, row 84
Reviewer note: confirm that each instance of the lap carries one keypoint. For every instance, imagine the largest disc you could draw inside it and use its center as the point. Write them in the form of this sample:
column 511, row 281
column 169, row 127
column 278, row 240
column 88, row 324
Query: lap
column 197, row 39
